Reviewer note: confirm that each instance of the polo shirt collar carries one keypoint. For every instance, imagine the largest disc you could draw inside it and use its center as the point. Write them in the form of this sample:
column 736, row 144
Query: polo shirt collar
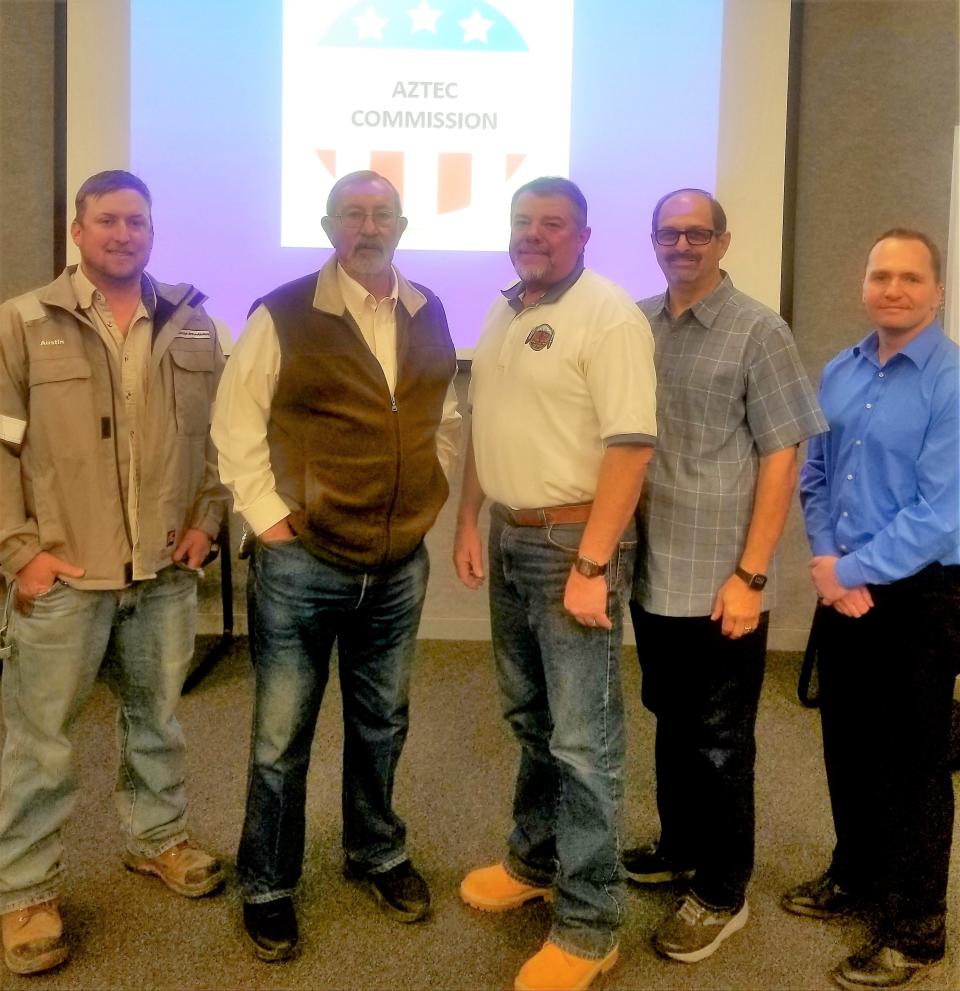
column 514, row 291
column 918, row 350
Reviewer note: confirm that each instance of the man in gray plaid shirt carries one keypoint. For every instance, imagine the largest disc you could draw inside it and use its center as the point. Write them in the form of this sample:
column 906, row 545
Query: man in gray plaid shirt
column 733, row 403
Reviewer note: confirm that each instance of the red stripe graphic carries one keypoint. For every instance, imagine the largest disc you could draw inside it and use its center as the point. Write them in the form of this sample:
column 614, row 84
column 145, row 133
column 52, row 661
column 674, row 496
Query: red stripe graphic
column 454, row 177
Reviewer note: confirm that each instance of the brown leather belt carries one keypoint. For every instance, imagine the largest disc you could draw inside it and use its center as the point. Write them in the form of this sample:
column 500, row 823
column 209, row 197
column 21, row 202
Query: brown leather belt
column 548, row 515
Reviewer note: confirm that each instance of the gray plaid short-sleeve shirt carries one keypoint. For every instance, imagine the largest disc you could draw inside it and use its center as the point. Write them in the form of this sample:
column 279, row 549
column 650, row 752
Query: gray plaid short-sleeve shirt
column 730, row 389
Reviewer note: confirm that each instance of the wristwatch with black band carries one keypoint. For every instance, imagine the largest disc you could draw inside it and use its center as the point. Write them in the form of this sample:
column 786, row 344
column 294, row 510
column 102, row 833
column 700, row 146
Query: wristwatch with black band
column 754, row 580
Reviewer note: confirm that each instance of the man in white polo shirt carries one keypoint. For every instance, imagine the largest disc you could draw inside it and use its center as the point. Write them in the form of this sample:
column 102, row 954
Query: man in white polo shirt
column 564, row 422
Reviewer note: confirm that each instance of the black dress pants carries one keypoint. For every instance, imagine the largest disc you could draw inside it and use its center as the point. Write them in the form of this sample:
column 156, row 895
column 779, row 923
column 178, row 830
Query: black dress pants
column 704, row 689
column 886, row 689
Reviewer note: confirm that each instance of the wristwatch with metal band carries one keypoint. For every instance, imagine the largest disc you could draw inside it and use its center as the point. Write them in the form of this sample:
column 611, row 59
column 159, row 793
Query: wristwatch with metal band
column 589, row 568
column 754, row 580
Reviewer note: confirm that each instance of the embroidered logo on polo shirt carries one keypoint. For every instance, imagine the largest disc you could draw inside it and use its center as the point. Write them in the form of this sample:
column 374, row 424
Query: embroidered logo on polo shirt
column 194, row 333
column 47, row 344
column 540, row 337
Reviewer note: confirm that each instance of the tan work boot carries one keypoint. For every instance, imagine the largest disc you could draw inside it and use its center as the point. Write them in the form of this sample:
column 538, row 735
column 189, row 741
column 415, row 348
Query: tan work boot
column 492, row 889
column 553, row 969
column 184, row 868
column 33, row 938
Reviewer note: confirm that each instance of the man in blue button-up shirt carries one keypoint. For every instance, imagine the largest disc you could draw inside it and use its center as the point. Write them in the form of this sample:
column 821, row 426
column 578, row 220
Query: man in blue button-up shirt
column 880, row 494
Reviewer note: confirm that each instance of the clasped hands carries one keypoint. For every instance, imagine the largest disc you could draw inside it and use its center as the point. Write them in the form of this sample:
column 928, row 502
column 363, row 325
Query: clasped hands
column 853, row 602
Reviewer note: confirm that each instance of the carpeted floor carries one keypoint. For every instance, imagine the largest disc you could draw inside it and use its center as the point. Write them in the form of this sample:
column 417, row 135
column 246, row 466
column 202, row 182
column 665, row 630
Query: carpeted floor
column 454, row 789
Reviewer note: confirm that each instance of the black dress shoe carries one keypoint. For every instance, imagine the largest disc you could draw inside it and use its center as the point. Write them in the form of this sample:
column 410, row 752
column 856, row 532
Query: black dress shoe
column 401, row 892
column 271, row 927
column 877, row 966
column 821, row 898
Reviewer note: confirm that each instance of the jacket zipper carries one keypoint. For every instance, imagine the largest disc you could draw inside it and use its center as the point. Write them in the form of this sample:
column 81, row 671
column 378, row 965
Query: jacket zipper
column 396, row 478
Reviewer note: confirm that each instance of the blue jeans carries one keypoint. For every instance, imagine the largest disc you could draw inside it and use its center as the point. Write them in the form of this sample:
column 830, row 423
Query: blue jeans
column 297, row 606
column 704, row 689
column 146, row 634
column 561, row 693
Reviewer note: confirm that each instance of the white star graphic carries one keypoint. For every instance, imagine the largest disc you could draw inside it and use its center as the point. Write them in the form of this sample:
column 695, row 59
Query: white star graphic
column 424, row 17
column 369, row 25
column 475, row 27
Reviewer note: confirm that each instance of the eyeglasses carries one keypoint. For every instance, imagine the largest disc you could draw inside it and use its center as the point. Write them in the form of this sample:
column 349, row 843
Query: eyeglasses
column 354, row 219
column 669, row 236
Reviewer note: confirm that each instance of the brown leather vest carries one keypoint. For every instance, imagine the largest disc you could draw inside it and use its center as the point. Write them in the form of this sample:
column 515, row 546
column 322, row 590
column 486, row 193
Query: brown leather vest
column 359, row 465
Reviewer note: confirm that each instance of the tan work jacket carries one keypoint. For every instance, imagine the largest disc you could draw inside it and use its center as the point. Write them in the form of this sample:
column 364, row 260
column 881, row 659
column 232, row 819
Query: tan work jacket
column 60, row 485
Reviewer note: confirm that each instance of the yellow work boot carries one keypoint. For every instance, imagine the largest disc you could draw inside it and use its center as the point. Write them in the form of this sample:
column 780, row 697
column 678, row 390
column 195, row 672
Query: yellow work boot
column 184, row 868
column 553, row 969
column 33, row 938
column 492, row 889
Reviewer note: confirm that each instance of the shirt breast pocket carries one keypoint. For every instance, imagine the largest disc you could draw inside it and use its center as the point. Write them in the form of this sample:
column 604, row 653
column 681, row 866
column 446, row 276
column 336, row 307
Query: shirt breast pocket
column 192, row 387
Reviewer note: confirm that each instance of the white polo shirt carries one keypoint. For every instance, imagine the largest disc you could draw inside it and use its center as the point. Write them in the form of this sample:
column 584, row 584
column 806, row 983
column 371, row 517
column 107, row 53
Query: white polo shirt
column 554, row 384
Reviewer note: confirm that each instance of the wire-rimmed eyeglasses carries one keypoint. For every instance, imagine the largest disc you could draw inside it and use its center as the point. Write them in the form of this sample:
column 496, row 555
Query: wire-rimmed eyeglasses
column 354, row 219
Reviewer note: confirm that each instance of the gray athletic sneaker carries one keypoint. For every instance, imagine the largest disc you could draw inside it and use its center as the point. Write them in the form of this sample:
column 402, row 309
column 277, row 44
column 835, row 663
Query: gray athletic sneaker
column 696, row 930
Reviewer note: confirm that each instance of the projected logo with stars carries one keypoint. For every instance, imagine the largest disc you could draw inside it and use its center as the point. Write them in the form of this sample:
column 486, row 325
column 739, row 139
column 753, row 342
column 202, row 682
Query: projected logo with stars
column 457, row 102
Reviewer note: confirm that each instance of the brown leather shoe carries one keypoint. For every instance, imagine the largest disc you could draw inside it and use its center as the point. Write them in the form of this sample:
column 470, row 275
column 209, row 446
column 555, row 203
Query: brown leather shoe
column 184, row 868
column 33, row 938
column 875, row 966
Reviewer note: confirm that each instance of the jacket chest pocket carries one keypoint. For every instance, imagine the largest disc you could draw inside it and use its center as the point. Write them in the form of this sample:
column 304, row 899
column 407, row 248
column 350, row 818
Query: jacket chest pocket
column 47, row 371
column 192, row 387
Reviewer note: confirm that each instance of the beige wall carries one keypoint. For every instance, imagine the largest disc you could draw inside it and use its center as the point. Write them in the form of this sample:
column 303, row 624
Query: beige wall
column 877, row 104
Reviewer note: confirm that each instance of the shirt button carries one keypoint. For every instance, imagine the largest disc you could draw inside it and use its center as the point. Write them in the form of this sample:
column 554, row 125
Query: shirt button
column 858, row 442
column 845, row 515
column 869, row 405
column 849, row 478
column 843, row 547
column 879, row 375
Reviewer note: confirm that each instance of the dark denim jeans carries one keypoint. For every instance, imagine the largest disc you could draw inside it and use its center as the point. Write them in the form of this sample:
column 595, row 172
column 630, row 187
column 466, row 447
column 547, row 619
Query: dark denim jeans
column 704, row 689
column 561, row 693
column 297, row 606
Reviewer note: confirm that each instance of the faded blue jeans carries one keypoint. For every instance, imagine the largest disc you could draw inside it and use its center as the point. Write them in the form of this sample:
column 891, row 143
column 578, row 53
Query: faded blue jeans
column 297, row 606
column 561, row 694
column 144, row 637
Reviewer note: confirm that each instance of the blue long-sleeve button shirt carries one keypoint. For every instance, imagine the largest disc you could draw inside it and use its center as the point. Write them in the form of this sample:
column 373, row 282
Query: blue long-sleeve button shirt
column 881, row 489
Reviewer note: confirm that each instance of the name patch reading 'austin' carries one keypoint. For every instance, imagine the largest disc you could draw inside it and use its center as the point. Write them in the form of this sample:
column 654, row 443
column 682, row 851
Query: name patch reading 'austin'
column 540, row 337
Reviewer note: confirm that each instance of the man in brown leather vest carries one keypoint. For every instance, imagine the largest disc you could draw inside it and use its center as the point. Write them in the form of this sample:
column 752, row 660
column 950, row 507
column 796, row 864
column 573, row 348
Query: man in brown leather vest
column 335, row 425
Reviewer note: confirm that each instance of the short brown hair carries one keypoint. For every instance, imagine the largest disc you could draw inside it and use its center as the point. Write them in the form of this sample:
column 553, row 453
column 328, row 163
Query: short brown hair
column 109, row 182
column 910, row 234
column 555, row 185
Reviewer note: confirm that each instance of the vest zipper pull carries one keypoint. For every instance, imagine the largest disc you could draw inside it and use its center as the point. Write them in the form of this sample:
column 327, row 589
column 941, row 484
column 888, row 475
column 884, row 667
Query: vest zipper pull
column 393, row 403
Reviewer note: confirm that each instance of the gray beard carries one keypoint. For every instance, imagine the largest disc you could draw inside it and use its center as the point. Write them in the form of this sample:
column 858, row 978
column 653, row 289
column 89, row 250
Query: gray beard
column 533, row 273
